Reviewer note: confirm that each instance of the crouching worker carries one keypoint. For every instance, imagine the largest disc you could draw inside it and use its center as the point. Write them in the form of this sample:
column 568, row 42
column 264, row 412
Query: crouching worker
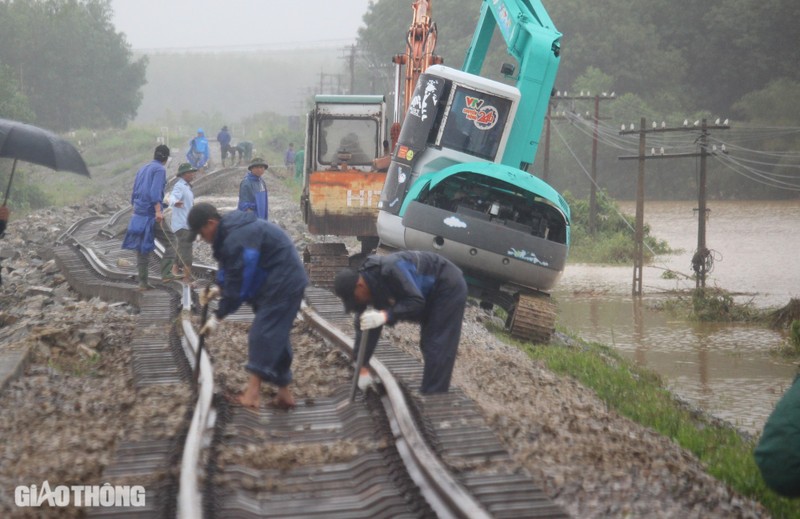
column 413, row 286
column 778, row 452
column 259, row 265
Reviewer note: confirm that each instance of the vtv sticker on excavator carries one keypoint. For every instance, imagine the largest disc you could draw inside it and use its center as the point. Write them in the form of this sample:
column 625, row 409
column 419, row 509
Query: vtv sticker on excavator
column 484, row 117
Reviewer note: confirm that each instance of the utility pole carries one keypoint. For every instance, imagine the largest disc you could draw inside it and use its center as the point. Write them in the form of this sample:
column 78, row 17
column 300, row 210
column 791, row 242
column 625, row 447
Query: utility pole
column 593, row 188
column 699, row 260
column 328, row 79
column 546, row 168
column 352, row 69
column 638, row 252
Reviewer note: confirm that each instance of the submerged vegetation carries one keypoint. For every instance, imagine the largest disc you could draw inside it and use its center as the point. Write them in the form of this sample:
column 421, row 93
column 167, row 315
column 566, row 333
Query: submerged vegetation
column 788, row 317
column 715, row 305
column 613, row 240
column 718, row 305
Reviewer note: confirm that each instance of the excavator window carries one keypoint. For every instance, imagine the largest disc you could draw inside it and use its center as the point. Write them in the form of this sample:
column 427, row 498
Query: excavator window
column 475, row 122
column 352, row 140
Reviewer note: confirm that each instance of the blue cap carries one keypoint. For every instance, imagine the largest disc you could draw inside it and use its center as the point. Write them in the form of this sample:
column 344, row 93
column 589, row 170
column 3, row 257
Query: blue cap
column 200, row 130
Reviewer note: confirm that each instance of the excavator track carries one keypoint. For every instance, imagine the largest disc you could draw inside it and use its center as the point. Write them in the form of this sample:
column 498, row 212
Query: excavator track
column 323, row 261
column 533, row 318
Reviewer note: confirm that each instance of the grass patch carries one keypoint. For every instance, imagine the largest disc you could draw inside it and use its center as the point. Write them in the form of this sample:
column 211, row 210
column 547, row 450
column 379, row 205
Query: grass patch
column 77, row 365
column 613, row 239
column 790, row 349
column 293, row 186
column 640, row 395
column 112, row 156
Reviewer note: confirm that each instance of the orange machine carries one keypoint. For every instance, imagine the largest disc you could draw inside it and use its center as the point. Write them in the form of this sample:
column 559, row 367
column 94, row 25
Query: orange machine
column 420, row 45
column 341, row 186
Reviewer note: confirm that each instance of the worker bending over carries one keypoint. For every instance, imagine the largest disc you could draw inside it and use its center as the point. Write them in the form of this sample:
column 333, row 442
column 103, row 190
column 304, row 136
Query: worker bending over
column 412, row 286
column 258, row 265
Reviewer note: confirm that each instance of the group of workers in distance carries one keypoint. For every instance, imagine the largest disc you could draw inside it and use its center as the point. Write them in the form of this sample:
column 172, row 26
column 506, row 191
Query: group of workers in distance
column 199, row 153
column 258, row 264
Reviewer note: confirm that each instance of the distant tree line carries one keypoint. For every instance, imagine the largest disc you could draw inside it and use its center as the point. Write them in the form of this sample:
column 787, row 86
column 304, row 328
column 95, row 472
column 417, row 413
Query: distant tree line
column 63, row 65
column 679, row 55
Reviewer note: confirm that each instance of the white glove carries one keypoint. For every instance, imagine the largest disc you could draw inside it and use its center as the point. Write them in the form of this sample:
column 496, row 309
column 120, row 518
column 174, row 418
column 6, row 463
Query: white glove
column 372, row 319
column 365, row 382
column 209, row 294
column 211, row 324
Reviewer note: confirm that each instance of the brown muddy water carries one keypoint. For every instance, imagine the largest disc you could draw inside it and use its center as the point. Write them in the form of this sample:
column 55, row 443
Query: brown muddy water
column 728, row 370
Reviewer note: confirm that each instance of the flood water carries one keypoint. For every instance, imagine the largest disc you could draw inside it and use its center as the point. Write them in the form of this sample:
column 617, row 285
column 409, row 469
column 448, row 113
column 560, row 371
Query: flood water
column 725, row 369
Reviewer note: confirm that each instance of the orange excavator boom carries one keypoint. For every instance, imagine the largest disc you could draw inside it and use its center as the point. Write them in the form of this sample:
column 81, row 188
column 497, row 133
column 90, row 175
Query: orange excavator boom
column 420, row 47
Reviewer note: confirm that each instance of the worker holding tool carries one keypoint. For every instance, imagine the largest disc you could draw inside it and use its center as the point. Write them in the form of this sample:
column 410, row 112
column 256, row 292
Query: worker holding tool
column 413, row 286
column 147, row 221
column 181, row 199
column 258, row 265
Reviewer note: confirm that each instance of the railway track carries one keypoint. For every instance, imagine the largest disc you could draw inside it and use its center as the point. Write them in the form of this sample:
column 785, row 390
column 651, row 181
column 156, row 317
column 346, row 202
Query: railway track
column 390, row 452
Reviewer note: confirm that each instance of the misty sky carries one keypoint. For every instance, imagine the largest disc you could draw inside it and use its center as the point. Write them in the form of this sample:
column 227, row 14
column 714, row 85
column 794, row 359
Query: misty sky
column 232, row 24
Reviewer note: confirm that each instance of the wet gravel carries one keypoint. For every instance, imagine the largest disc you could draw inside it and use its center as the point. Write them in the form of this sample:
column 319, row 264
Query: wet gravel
column 61, row 424
column 75, row 403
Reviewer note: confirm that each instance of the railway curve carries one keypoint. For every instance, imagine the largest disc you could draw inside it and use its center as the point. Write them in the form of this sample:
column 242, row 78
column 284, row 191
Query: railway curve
column 400, row 454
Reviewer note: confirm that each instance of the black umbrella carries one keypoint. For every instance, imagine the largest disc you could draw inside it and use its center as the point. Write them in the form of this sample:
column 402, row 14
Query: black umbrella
column 20, row 141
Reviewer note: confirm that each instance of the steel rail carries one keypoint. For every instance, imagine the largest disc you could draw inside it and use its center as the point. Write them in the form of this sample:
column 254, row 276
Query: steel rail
column 446, row 496
column 190, row 499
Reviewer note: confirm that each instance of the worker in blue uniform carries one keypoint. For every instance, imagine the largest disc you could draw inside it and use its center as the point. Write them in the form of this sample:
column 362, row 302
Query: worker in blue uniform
column 198, row 153
column 258, row 265
column 147, row 221
column 224, row 140
column 421, row 287
column 253, row 195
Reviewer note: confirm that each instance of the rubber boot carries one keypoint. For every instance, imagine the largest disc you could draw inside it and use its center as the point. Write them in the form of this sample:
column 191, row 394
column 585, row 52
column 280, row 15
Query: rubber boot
column 166, row 270
column 143, row 275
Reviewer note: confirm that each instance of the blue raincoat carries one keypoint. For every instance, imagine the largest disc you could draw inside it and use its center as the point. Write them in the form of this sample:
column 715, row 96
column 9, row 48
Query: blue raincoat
column 198, row 150
column 224, row 138
column 259, row 265
column 421, row 287
column 253, row 195
column 148, row 189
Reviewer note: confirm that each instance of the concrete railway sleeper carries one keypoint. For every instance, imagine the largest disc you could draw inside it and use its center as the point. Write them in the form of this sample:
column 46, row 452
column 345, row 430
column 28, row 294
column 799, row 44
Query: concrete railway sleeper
column 390, row 453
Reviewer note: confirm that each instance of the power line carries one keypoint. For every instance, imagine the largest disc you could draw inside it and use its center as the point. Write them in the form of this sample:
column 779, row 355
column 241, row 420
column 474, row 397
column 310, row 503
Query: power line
column 613, row 206
column 662, row 146
column 774, row 165
column 755, row 175
column 702, row 260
